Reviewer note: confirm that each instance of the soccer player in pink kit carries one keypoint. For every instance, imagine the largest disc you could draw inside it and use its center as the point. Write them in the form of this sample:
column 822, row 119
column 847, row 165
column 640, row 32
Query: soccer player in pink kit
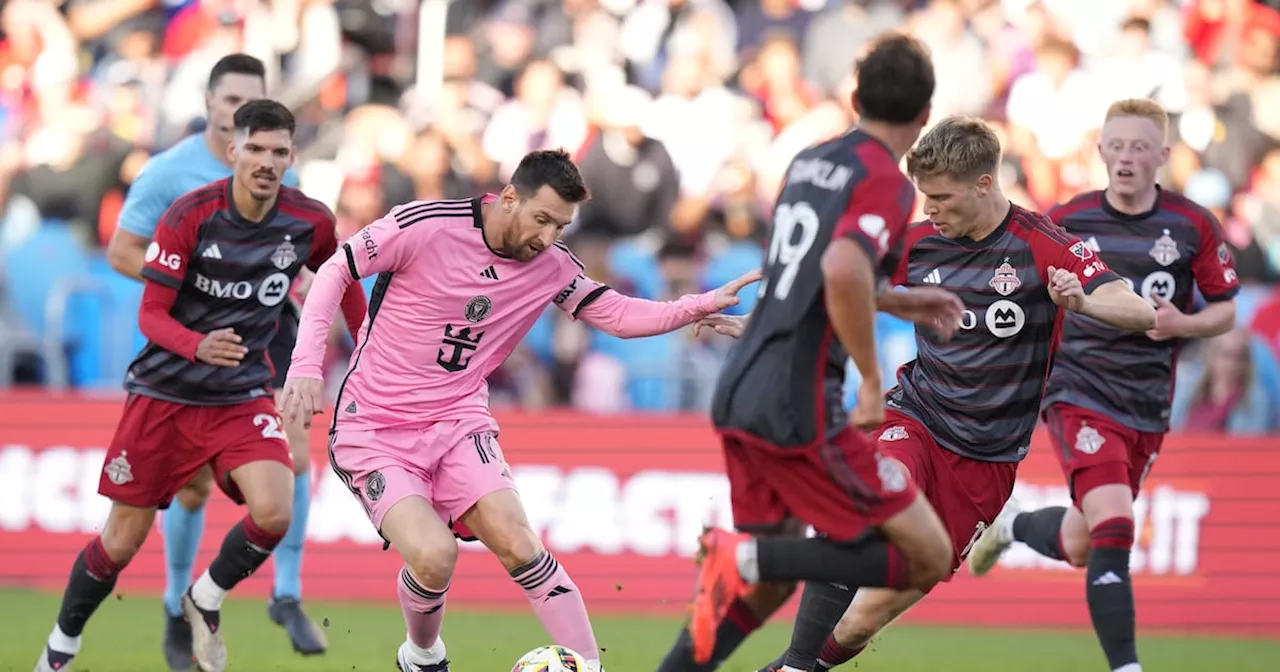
column 459, row 285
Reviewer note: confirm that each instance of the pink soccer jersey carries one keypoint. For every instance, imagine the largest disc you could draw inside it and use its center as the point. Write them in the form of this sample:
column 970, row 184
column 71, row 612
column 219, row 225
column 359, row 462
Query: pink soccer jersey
column 446, row 310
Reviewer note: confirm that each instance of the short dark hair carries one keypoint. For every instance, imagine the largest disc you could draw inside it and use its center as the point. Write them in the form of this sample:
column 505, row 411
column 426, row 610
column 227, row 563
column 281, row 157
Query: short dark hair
column 236, row 64
column 553, row 168
column 895, row 80
column 264, row 114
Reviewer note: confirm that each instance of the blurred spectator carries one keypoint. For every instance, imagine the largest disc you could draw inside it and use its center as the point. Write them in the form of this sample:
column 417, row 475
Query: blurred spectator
column 1222, row 393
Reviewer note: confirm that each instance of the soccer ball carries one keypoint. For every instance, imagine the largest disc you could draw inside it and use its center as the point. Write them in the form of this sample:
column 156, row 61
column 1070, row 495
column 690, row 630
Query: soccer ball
column 551, row 659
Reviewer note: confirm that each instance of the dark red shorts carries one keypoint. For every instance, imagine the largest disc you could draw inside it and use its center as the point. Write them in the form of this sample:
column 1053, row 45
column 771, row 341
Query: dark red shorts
column 159, row 445
column 842, row 488
column 1095, row 450
column 967, row 494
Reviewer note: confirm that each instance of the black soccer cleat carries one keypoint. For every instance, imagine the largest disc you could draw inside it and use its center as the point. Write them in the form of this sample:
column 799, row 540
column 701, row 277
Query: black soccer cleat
column 177, row 643
column 306, row 637
column 53, row 661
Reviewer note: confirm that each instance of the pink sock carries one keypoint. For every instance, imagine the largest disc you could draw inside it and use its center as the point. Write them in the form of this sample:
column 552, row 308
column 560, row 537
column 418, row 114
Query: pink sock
column 423, row 609
column 558, row 604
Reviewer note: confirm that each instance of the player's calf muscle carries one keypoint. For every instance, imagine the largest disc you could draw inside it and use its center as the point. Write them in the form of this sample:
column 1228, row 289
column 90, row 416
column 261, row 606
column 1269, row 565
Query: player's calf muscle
column 499, row 521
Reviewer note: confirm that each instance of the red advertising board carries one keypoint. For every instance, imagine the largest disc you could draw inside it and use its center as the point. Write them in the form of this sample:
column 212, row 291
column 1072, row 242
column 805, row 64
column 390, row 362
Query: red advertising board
column 620, row 500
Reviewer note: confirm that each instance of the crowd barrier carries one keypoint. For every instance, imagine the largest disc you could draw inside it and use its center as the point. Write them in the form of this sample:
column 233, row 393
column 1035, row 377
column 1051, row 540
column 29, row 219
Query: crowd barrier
column 621, row 499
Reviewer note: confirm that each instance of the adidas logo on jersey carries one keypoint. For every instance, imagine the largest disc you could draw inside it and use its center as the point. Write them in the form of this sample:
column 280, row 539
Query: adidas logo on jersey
column 933, row 278
column 212, row 252
column 489, row 273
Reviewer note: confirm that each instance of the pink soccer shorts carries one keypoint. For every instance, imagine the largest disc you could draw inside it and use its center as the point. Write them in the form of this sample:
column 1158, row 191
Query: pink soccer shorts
column 448, row 463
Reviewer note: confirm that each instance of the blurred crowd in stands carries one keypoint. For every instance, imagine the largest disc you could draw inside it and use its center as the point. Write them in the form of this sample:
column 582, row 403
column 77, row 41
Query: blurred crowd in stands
column 683, row 115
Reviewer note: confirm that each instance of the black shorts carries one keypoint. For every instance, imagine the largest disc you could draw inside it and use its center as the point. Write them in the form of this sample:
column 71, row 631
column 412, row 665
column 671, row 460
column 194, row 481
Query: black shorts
column 281, row 348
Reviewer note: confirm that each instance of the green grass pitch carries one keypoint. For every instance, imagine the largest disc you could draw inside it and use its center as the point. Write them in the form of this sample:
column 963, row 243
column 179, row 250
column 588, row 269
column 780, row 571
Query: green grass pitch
column 124, row 636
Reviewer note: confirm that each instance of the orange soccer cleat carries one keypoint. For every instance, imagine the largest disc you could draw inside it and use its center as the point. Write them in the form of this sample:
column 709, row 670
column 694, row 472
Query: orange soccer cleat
column 719, row 584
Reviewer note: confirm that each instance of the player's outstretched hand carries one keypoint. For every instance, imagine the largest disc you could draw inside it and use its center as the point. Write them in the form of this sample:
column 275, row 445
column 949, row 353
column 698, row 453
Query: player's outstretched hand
column 1169, row 320
column 727, row 296
column 221, row 347
column 936, row 308
column 869, row 413
column 1065, row 289
column 725, row 325
column 301, row 399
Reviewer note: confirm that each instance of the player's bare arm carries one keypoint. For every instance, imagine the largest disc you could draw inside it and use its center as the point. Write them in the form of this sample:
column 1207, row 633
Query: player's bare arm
column 932, row 307
column 125, row 253
column 630, row 317
column 1112, row 303
column 1215, row 319
column 850, row 289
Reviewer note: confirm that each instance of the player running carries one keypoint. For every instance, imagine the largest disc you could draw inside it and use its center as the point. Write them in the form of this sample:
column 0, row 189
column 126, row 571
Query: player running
column 793, row 455
column 962, row 414
column 459, row 285
column 1107, row 403
column 192, row 163
column 199, row 391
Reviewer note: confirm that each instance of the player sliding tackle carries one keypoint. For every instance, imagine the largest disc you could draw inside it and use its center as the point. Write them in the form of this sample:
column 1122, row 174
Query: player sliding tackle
column 199, row 391
column 459, row 285
column 1107, row 404
column 963, row 412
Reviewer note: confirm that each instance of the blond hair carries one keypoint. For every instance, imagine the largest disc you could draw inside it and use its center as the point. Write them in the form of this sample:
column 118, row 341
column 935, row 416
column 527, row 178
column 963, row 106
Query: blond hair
column 958, row 147
column 1143, row 108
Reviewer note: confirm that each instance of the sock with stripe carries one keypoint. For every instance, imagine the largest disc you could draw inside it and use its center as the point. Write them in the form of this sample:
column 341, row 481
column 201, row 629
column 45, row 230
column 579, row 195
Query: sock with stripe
column 835, row 654
column 243, row 551
column 423, row 613
column 557, row 603
column 288, row 555
column 1042, row 531
column 1110, row 592
column 737, row 625
column 93, row 577
column 183, row 529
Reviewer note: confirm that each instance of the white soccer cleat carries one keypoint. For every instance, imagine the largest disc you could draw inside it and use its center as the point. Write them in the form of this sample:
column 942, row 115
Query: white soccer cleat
column 995, row 540
column 434, row 661
column 206, row 636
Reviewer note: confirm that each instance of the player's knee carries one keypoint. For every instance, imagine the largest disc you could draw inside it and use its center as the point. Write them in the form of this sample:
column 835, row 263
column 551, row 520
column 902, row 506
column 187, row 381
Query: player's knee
column 516, row 545
column 932, row 563
column 273, row 515
column 432, row 564
column 125, row 532
column 1075, row 546
column 191, row 497
column 301, row 454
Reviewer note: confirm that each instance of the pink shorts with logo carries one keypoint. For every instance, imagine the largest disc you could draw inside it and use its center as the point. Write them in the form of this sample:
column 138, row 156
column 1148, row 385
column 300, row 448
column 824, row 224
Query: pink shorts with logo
column 449, row 464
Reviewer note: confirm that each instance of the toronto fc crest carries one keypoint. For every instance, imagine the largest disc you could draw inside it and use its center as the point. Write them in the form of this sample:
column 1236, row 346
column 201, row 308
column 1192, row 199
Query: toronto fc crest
column 1165, row 251
column 1005, row 281
column 285, row 255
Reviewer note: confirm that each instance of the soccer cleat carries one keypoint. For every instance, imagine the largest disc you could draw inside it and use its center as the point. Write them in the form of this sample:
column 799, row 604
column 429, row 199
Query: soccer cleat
column 207, row 646
column 995, row 540
column 405, row 662
column 719, row 584
column 54, row 661
column 177, row 643
column 307, row 638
